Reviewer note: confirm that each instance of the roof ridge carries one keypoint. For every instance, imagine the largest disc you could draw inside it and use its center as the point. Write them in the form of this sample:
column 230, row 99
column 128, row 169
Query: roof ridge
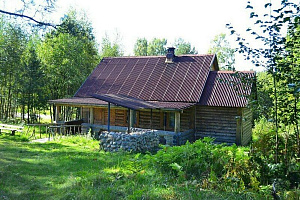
column 161, row 56
column 230, row 72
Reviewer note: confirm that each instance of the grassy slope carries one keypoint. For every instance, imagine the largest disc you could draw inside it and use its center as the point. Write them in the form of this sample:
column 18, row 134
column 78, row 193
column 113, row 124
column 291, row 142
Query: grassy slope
column 74, row 168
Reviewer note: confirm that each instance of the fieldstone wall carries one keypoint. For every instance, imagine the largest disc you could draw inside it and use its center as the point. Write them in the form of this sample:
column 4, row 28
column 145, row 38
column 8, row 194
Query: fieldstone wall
column 137, row 141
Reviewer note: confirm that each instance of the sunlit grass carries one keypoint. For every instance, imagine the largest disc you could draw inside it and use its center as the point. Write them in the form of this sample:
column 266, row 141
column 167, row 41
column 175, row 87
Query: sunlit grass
column 74, row 168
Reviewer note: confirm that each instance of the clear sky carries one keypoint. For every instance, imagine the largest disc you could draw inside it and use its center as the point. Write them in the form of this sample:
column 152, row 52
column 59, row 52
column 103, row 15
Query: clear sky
column 196, row 21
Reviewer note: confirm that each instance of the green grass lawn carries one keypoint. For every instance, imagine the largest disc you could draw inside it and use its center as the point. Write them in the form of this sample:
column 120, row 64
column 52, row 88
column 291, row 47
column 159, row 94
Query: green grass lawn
column 74, row 168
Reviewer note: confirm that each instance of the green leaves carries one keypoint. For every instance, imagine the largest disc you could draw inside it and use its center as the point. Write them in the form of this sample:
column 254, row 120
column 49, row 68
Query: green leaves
column 110, row 49
column 225, row 54
column 157, row 47
column 68, row 55
column 140, row 47
column 183, row 47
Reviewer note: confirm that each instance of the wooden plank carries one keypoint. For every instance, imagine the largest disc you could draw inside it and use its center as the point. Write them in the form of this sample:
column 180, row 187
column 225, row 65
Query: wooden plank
column 11, row 129
column 97, row 116
column 11, row 126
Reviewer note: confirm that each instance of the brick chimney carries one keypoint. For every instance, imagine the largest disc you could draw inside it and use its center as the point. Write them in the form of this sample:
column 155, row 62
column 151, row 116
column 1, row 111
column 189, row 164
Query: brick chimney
column 170, row 57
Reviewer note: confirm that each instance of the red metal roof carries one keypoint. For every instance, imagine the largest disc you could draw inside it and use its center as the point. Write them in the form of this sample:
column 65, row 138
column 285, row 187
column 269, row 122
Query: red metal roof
column 121, row 100
column 79, row 101
column 136, row 104
column 150, row 78
column 126, row 101
column 227, row 88
column 149, row 82
column 172, row 105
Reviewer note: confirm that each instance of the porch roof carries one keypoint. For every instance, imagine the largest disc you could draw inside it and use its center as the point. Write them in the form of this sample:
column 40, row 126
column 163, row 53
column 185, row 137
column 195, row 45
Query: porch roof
column 78, row 101
column 125, row 101
column 137, row 104
column 121, row 100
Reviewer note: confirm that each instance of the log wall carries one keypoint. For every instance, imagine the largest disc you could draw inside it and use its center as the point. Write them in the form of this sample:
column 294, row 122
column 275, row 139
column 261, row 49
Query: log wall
column 118, row 117
column 187, row 119
column 217, row 122
column 229, row 125
column 144, row 119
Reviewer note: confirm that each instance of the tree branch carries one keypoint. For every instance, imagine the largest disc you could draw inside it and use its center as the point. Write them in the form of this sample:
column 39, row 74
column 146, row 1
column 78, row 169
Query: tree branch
column 27, row 17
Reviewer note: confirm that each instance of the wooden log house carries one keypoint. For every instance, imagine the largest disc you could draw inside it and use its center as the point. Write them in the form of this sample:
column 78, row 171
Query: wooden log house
column 182, row 97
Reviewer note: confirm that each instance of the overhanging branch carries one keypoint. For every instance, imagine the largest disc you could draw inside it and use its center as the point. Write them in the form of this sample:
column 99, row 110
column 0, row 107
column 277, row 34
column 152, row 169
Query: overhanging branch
column 27, row 17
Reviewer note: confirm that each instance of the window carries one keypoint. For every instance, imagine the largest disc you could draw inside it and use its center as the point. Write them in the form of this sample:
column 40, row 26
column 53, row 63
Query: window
column 171, row 119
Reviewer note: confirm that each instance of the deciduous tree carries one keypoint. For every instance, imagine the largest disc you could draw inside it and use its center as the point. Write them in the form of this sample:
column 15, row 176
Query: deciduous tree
column 141, row 47
column 225, row 54
column 183, row 47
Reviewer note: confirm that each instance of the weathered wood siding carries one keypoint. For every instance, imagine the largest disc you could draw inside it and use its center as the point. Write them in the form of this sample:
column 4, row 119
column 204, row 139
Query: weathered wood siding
column 144, row 119
column 187, row 119
column 98, row 115
column 246, row 126
column 217, row 122
column 118, row 117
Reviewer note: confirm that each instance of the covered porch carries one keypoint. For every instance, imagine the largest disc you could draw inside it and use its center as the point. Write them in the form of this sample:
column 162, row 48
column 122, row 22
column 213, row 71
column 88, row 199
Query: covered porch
column 173, row 121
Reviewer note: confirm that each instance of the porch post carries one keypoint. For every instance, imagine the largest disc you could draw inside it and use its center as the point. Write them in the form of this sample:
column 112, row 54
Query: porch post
column 128, row 120
column 151, row 115
column 177, row 122
column 91, row 115
column 131, row 117
column 108, row 118
column 57, row 113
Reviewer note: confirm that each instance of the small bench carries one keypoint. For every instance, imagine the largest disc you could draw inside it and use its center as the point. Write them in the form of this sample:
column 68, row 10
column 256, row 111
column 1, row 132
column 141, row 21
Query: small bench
column 12, row 128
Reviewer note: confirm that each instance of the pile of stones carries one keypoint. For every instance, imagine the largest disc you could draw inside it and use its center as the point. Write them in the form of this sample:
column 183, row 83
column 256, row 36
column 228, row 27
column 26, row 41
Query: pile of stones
column 137, row 141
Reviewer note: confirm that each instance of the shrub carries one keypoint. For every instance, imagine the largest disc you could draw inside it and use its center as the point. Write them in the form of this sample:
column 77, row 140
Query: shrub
column 213, row 165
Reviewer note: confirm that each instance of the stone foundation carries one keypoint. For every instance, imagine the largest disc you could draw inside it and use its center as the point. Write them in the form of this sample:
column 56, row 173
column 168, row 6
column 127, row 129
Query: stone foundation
column 137, row 141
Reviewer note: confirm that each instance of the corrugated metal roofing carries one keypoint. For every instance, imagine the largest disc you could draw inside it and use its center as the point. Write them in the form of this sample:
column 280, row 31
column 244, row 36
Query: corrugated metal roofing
column 126, row 101
column 150, row 78
column 228, row 89
column 172, row 105
column 79, row 101
column 121, row 100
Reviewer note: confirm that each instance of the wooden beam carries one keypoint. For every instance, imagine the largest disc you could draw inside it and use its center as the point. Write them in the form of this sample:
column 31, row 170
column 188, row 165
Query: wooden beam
column 177, row 122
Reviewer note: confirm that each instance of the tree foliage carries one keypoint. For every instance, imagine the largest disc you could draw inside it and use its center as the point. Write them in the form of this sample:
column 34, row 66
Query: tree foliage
column 110, row 48
column 34, row 70
column 278, row 52
column 157, row 47
column 225, row 54
column 12, row 42
column 31, row 86
column 68, row 55
column 141, row 47
column 183, row 47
